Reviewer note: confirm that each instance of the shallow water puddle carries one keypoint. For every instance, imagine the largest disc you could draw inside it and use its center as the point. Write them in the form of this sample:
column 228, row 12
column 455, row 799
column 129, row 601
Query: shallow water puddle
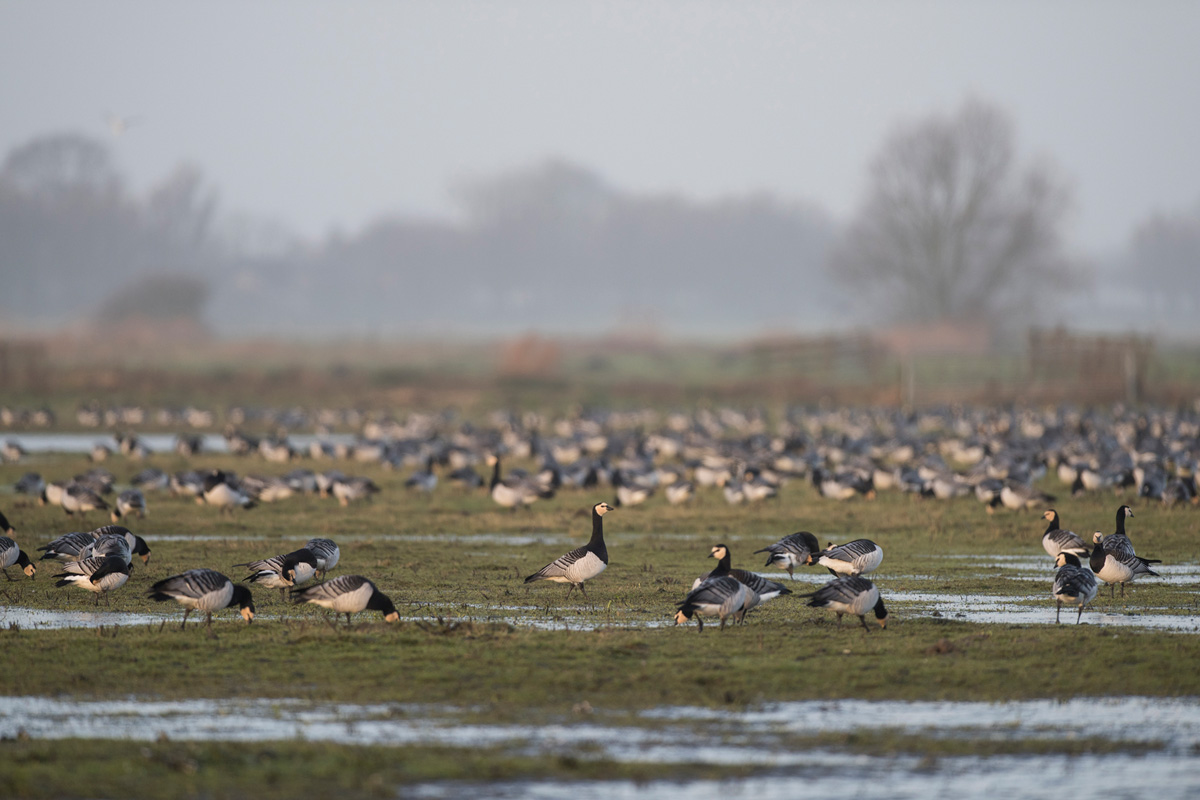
column 835, row 776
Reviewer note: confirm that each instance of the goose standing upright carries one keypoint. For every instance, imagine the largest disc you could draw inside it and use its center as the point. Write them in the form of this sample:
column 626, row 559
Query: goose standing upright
column 582, row 563
column 1056, row 540
column 1072, row 584
column 1118, row 565
column 763, row 588
column 99, row 575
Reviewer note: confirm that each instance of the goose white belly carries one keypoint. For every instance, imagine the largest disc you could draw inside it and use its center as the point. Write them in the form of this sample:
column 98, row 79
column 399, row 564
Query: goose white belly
column 346, row 602
column 583, row 569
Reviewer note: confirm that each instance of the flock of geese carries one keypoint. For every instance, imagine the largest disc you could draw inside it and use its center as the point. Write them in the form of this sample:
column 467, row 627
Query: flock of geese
column 846, row 455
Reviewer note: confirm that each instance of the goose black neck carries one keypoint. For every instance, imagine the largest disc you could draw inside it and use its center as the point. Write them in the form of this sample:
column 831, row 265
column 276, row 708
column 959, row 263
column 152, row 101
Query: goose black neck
column 1053, row 526
column 1096, row 560
column 723, row 565
column 597, row 528
column 495, row 474
column 1121, row 520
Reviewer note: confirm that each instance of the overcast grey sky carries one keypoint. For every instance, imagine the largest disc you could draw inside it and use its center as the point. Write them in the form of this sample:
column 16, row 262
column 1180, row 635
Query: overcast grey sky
column 323, row 114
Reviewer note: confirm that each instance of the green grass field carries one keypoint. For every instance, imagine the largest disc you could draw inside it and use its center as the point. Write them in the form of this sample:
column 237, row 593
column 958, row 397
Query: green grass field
column 454, row 566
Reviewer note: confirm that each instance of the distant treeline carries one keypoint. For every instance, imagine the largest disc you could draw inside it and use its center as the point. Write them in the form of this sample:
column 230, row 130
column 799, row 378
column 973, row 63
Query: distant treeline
column 551, row 247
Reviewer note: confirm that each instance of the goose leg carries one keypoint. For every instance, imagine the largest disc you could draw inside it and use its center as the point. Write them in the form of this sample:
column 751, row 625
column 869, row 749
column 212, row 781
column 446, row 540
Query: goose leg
column 1058, row 612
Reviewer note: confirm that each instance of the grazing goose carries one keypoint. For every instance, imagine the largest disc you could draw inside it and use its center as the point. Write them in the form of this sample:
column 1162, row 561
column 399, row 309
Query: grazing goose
column 1056, row 540
column 151, row 479
column 204, row 590
column 1073, row 584
column 348, row 594
column 117, row 540
column 221, row 490
column 98, row 575
column 680, row 492
column 1117, row 565
column 629, row 491
column 582, row 563
column 763, row 589
column 67, row 547
column 1020, row 496
column 351, row 488
column 130, row 501
column 327, row 553
column 31, row 484
column 80, row 499
column 722, row 597
column 793, row 550
column 852, row 558
column 282, row 572
column 10, row 554
column 850, row 595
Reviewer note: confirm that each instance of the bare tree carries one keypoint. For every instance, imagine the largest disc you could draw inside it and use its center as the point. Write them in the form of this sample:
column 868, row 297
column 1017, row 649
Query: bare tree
column 953, row 227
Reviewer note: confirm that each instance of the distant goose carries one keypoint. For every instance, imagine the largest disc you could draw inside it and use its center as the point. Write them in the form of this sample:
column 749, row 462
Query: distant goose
column 221, row 490
column 114, row 540
column 204, row 590
column 1056, row 540
column 1073, row 584
column 1020, row 496
column 130, row 502
column 842, row 487
column 794, row 550
column 680, row 492
column 187, row 483
column 10, row 554
column 852, row 558
column 98, row 575
column 151, row 479
column 582, row 563
column 721, row 597
column 349, row 489
column 11, row 451
column 423, row 480
column 348, row 594
column 79, row 499
column 850, row 595
column 282, row 572
column 514, row 492
column 629, row 491
column 763, row 588
column 1118, row 565
column 31, row 484
column 326, row 552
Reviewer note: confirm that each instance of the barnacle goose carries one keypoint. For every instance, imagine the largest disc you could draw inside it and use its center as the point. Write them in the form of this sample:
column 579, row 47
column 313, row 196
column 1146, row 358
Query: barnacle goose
column 67, row 547
column 99, row 575
column 221, row 490
column 629, row 490
column 794, row 550
column 348, row 489
column 1073, row 584
column 130, row 501
column 722, row 596
column 1118, row 565
column 852, row 558
column 850, row 595
column 348, row 594
column 11, row 553
column 582, row 563
column 203, row 590
column 117, row 540
column 512, row 492
column 327, row 553
column 283, row 571
column 763, row 588
column 423, row 480
column 1056, row 540
column 78, row 498
column 680, row 492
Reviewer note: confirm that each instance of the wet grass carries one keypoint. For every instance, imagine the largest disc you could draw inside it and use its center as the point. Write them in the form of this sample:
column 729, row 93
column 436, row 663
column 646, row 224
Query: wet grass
column 454, row 565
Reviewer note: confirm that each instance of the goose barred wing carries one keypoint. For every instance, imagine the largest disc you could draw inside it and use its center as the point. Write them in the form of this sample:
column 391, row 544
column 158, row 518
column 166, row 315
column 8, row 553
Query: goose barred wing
column 1073, row 581
column 331, row 589
column 852, row 550
column 193, row 583
column 714, row 591
column 1067, row 541
column 758, row 583
column 840, row 590
column 560, row 565
column 272, row 564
